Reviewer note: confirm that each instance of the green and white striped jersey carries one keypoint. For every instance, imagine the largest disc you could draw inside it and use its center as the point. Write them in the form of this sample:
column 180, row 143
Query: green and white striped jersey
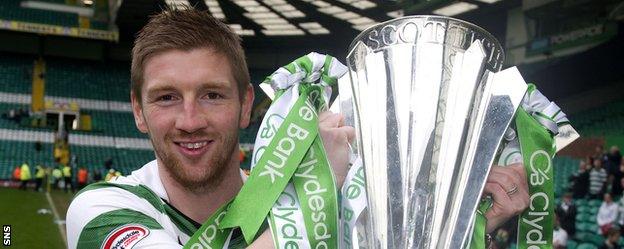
column 130, row 212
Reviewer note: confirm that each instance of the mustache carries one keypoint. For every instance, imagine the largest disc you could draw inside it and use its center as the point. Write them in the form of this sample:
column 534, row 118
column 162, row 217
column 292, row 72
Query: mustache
column 197, row 135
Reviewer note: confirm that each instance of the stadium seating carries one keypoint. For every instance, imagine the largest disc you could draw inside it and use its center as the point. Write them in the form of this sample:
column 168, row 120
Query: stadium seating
column 11, row 10
column 88, row 80
column 605, row 120
column 564, row 167
column 16, row 73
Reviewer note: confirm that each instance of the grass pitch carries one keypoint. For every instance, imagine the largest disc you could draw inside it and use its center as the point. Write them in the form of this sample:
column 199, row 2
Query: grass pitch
column 29, row 229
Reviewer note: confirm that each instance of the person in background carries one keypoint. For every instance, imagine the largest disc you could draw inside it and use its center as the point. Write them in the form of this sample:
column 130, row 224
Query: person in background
column 57, row 174
column 112, row 173
column 607, row 214
column 599, row 153
column 580, row 181
column 108, row 163
column 97, row 175
column 83, row 177
column 613, row 237
column 616, row 179
column 39, row 175
column 597, row 180
column 24, row 175
column 560, row 236
column 613, row 160
column 566, row 214
column 17, row 175
column 67, row 176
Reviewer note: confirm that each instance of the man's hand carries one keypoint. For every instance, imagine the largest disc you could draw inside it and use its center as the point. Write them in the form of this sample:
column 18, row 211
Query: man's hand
column 336, row 137
column 510, row 194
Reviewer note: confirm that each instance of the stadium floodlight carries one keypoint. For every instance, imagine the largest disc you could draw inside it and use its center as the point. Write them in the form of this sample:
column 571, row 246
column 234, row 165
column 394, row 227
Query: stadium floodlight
column 295, row 32
column 293, row 14
column 246, row 3
column 321, row 4
column 455, row 9
column 280, row 26
column 266, row 21
column 256, row 9
column 396, row 13
column 310, row 25
column 321, row 31
column 331, row 10
column 346, row 15
column 360, row 20
column 364, row 4
column 488, row 1
column 283, row 7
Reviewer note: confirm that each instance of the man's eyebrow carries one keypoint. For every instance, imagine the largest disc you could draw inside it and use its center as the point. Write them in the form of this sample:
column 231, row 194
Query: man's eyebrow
column 155, row 89
column 214, row 84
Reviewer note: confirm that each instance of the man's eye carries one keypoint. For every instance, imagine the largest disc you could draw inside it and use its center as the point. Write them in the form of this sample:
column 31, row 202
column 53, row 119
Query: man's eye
column 167, row 97
column 214, row 96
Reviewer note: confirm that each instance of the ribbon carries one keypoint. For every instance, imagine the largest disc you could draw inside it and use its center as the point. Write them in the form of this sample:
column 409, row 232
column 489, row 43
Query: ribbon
column 209, row 235
column 311, row 179
column 537, row 144
column 537, row 122
column 274, row 169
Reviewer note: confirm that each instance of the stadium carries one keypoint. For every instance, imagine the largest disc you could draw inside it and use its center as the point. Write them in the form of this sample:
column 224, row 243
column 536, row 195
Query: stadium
column 66, row 116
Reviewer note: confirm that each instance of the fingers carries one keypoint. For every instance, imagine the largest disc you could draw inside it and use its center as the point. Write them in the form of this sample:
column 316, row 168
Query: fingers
column 330, row 119
column 506, row 203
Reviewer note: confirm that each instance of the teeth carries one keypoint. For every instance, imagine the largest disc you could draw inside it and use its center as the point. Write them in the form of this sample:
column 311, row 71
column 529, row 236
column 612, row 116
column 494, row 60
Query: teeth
column 193, row 145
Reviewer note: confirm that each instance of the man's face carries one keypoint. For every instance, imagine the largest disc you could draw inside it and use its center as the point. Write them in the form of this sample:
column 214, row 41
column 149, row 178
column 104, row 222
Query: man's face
column 191, row 109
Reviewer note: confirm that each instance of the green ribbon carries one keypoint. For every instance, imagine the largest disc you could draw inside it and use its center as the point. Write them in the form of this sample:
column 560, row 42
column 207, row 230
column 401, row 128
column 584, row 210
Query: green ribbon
column 316, row 191
column 209, row 235
column 538, row 148
column 536, row 223
column 478, row 234
column 274, row 169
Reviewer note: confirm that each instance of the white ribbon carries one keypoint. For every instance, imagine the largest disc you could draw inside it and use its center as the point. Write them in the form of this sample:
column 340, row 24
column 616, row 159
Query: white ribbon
column 546, row 112
column 286, row 213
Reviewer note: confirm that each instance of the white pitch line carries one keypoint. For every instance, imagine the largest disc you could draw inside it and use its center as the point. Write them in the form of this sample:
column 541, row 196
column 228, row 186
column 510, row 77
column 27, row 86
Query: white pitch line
column 57, row 218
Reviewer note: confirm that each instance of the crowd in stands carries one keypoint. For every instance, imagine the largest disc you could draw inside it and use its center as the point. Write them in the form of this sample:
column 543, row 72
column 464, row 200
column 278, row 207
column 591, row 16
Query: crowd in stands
column 599, row 177
column 61, row 176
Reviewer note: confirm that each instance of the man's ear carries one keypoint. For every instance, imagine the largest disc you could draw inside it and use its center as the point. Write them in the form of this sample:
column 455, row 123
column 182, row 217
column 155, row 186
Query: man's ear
column 246, row 106
column 137, row 111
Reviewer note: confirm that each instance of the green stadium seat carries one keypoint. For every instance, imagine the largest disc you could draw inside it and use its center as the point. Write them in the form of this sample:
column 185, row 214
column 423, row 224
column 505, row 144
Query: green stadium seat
column 571, row 244
column 586, row 246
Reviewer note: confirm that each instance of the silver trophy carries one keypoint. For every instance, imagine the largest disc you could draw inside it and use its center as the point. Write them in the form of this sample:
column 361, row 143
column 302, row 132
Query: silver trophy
column 431, row 107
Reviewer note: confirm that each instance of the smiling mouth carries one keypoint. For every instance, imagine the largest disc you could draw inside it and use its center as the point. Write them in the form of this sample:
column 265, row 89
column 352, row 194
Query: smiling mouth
column 193, row 145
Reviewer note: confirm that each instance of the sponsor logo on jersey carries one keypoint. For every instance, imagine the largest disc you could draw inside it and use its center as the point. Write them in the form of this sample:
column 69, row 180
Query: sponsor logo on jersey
column 125, row 237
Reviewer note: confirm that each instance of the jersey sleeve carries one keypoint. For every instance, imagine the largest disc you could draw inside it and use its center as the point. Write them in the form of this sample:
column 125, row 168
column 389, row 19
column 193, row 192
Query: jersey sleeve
column 111, row 218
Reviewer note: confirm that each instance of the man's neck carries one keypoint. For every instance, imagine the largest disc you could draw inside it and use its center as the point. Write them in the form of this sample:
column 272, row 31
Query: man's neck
column 199, row 206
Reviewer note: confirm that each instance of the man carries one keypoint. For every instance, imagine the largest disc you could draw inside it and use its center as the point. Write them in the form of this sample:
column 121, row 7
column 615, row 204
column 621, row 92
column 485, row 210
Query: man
column 191, row 94
column 597, row 180
column 24, row 175
column 560, row 235
column 607, row 214
column 83, row 177
column 39, row 175
column 67, row 177
column 613, row 238
column 566, row 214
column 57, row 174
column 580, row 181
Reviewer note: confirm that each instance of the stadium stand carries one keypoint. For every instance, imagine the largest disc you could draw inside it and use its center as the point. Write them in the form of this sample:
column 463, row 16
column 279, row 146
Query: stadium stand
column 12, row 10
column 88, row 80
column 602, row 121
column 102, row 92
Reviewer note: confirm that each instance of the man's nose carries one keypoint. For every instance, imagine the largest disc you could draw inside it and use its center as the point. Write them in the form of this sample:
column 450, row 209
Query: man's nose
column 191, row 118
